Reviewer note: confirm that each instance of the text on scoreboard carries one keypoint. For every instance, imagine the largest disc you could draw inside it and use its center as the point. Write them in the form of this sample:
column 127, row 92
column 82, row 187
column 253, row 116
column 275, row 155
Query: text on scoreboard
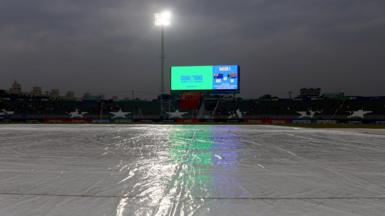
column 214, row 77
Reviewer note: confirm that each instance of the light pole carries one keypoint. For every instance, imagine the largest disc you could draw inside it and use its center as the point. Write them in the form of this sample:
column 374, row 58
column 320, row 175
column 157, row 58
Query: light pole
column 162, row 19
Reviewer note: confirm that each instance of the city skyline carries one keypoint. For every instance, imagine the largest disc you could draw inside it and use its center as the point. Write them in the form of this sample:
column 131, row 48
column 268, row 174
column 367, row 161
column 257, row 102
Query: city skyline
column 17, row 89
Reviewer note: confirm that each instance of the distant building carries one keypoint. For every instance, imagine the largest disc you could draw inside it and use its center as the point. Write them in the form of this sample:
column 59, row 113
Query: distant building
column 310, row 92
column 15, row 89
column 88, row 96
column 55, row 93
column 36, row 91
column 70, row 95
column 268, row 97
column 334, row 95
column 3, row 93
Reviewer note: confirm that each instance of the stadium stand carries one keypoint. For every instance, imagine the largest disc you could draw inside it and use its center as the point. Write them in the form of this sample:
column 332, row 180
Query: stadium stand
column 20, row 107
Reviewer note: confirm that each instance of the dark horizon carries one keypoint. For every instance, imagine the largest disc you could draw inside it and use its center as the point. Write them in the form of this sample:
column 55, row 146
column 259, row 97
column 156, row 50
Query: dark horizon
column 110, row 47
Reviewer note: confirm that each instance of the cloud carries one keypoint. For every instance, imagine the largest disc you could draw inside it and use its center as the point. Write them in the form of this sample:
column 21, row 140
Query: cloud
column 105, row 46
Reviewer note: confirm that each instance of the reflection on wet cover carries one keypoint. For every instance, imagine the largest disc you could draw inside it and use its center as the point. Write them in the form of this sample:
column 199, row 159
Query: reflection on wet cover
column 186, row 166
column 198, row 151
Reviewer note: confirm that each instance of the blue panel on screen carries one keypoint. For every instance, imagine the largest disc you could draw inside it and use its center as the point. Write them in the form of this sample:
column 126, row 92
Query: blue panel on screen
column 225, row 77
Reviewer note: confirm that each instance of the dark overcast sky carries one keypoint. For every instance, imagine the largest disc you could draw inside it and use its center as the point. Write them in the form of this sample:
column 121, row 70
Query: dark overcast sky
column 109, row 46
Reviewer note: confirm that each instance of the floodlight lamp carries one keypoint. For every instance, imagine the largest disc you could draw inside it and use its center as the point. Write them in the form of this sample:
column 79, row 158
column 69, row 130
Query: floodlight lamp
column 163, row 18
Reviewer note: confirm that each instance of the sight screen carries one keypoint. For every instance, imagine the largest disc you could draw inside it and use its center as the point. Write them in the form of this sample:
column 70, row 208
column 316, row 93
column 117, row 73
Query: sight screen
column 209, row 78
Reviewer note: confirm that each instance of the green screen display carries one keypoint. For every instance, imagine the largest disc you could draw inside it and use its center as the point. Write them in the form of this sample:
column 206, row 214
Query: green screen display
column 218, row 77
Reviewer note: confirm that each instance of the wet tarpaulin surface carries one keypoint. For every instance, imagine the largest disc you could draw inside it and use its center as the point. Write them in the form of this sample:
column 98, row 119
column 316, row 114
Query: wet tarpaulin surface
column 190, row 170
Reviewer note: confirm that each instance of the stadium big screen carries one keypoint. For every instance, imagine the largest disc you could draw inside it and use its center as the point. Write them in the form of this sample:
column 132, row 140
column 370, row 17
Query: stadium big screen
column 205, row 78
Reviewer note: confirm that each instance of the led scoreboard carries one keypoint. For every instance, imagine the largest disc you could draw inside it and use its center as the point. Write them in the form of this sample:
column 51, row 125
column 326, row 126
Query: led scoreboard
column 205, row 78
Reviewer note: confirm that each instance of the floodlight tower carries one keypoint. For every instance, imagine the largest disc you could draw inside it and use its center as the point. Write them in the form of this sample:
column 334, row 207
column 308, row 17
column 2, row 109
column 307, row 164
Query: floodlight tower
column 162, row 19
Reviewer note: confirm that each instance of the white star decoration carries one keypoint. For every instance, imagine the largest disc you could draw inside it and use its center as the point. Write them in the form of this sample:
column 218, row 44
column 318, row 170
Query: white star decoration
column 119, row 114
column 176, row 114
column 5, row 112
column 304, row 114
column 77, row 114
column 359, row 114
column 236, row 114
column 239, row 113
